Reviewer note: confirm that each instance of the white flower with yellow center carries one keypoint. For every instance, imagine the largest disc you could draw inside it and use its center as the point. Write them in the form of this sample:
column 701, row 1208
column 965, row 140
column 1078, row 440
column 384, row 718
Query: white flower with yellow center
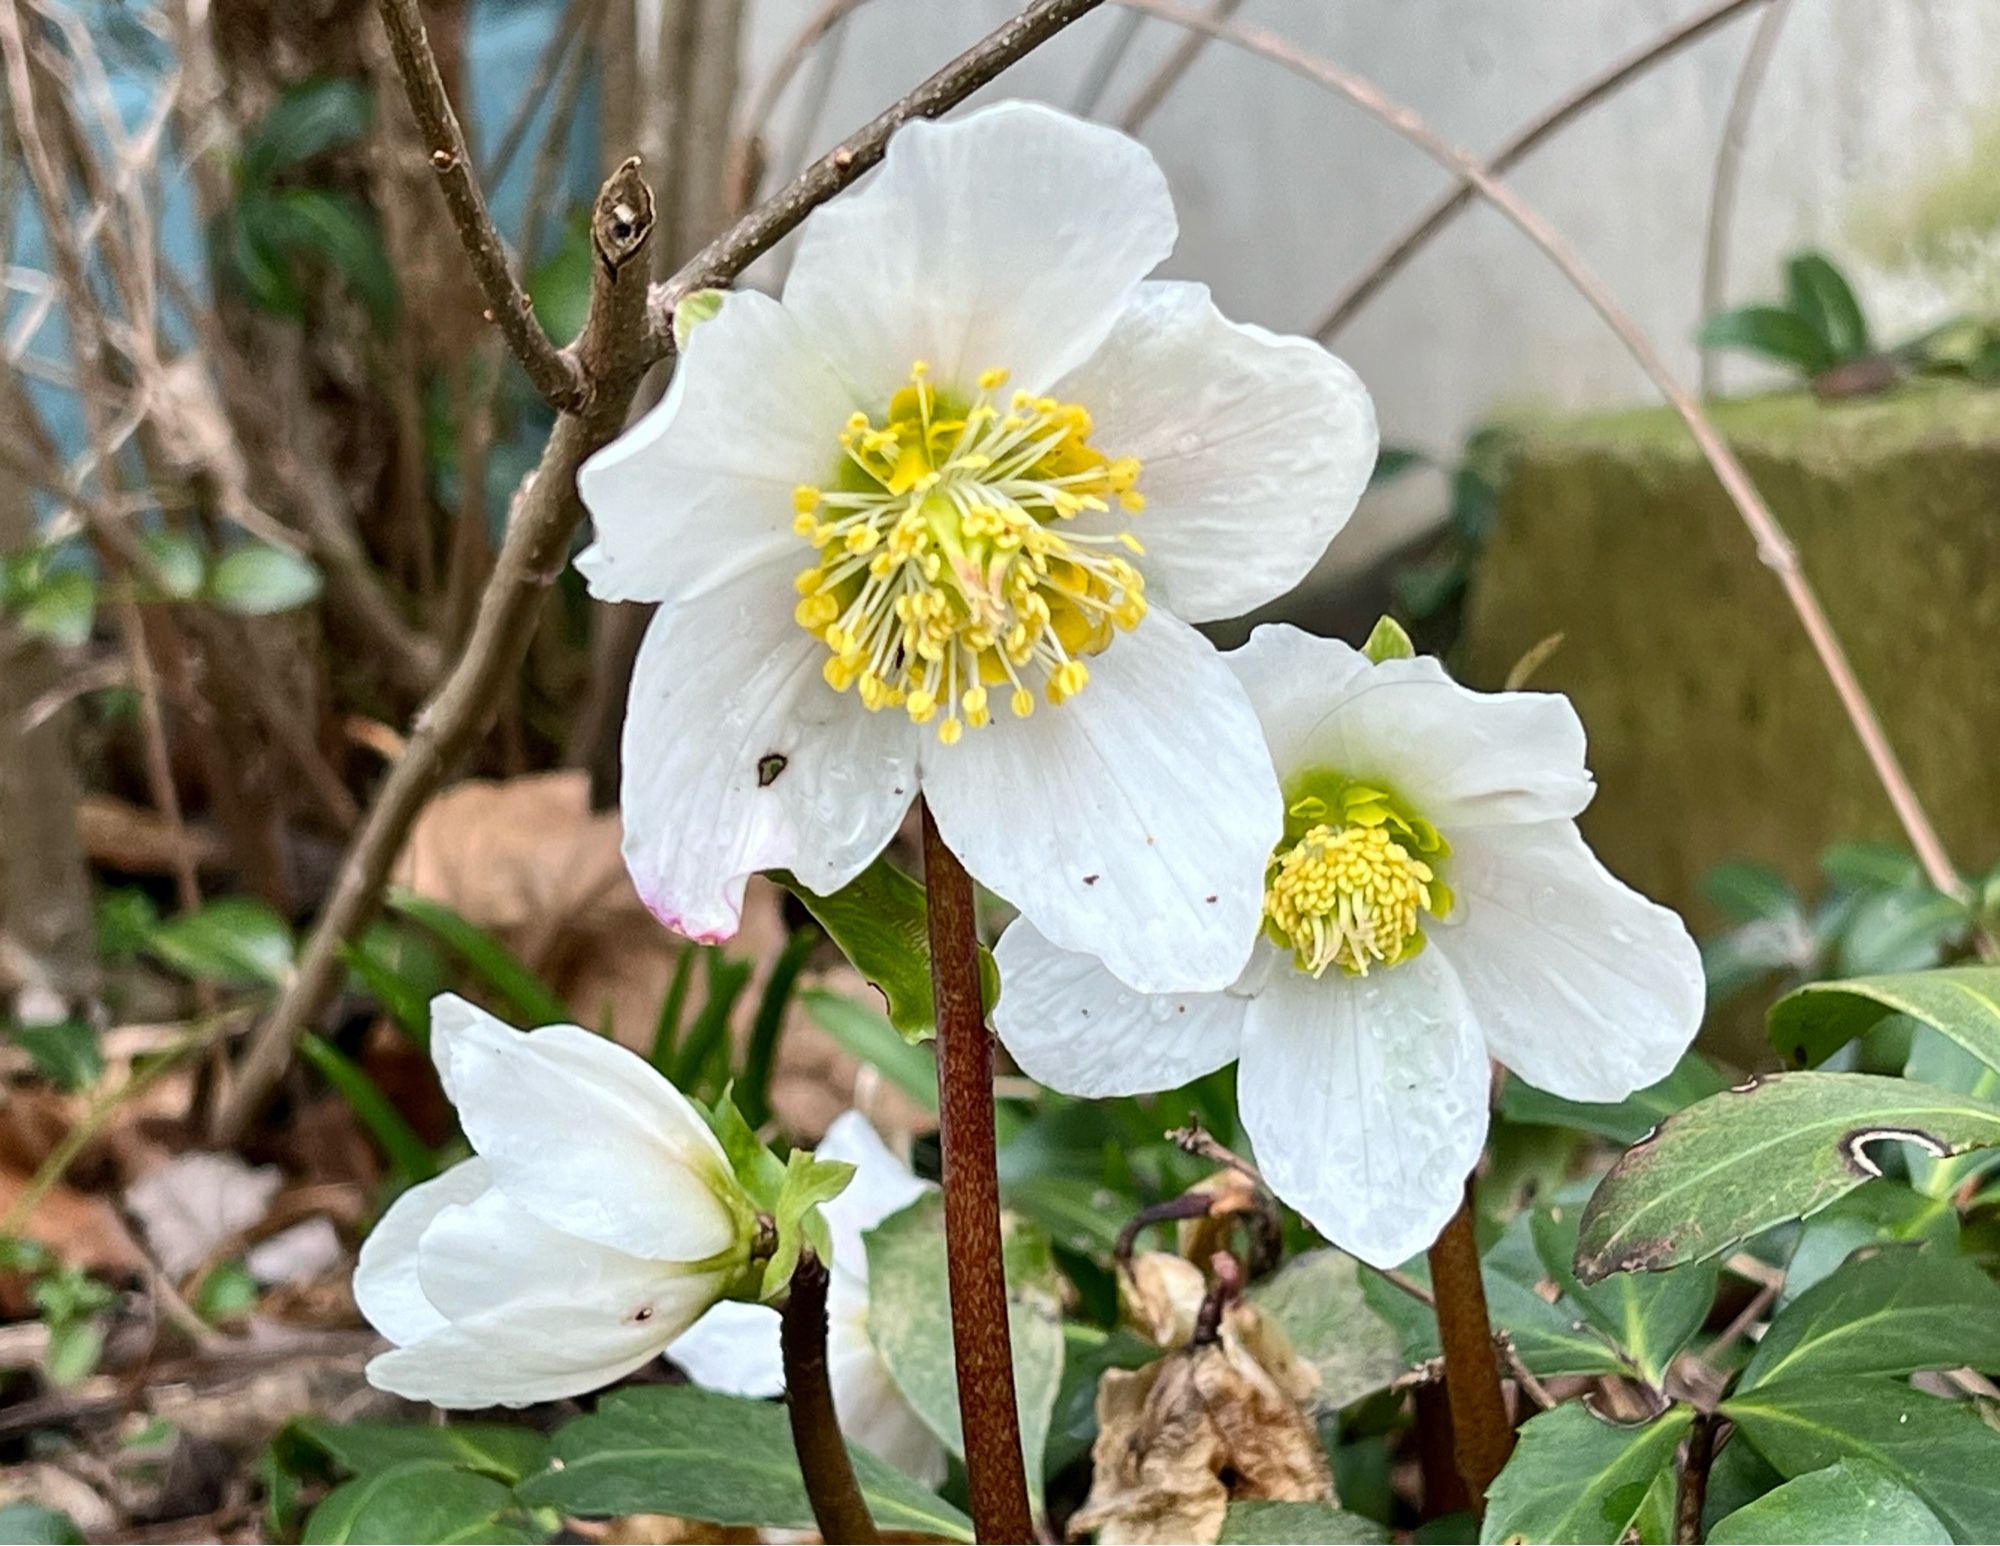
column 939, row 520
column 1429, row 905
column 734, row 1347
column 597, row 1221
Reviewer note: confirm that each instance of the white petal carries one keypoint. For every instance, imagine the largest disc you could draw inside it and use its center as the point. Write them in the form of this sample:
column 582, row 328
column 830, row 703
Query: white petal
column 1459, row 758
column 1365, row 1099
column 882, row 1185
column 585, row 1134
column 1132, row 822
column 738, row 758
column 874, row 1414
column 1254, row 447
column 385, row 1277
column 526, row 1350
column 1582, row 986
column 700, row 489
column 1074, row 1027
column 735, row 1349
column 1011, row 237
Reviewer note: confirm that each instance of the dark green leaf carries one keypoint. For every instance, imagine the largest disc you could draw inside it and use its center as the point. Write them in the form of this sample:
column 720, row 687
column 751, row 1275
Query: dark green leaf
column 878, row 920
column 1576, row 1477
column 1650, row 1315
column 1851, row 1501
column 1869, row 866
column 1627, row 1121
column 1778, row 1149
column 667, row 1024
column 1881, row 1213
column 1905, row 930
column 409, row 1156
column 502, row 1451
column 1772, row 332
column 1893, row 1312
column 1748, row 892
column 707, row 1041
column 866, row 1035
column 678, row 1450
column 309, row 119
column 64, row 1051
column 760, row 1054
column 340, row 234
column 1088, row 1353
column 420, row 1501
column 235, row 940
column 909, row 1320
column 1820, row 293
column 492, row 962
column 258, row 581
column 1317, row 1300
column 1392, row 462
column 1941, row 1450
column 1283, row 1524
column 1961, row 1002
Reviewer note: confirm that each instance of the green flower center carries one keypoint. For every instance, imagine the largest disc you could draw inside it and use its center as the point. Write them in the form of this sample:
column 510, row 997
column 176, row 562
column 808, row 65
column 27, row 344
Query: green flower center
column 1350, row 882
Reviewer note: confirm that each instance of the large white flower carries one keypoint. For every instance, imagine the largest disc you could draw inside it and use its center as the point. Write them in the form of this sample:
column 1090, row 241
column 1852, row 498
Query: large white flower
column 940, row 520
column 596, row 1223
column 1430, row 904
column 734, row 1347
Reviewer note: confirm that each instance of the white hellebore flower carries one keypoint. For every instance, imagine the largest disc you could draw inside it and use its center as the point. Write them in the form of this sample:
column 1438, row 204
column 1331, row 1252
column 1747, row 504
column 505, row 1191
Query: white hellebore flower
column 734, row 1347
column 939, row 520
column 596, row 1223
column 1431, row 904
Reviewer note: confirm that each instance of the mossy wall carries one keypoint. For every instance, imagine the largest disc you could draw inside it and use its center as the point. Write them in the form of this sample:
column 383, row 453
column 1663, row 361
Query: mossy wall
column 1713, row 731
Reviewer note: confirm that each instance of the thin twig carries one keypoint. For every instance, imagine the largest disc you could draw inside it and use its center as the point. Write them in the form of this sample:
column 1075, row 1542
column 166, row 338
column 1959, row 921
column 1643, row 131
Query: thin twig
column 982, row 1345
column 839, row 1509
column 1728, row 168
column 1774, row 549
column 553, row 372
column 1172, row 68
column 1097, row 79
column 1397, row 255
column 1482, row 1432
column 612, row 354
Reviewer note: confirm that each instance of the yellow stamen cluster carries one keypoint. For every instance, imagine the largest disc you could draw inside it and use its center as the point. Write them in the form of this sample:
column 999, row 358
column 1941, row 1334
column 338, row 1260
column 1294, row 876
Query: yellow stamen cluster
column 1348, row 896
column 943, row 569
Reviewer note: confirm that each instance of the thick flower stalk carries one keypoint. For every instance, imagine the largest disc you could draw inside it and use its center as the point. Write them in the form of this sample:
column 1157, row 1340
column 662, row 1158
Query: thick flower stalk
column 939, row 520
column 596, row 1222
column 1429, row 905
column 735, row 1347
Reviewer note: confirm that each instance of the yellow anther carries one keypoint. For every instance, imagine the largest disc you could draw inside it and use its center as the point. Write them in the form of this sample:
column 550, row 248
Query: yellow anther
column 919, row 369
column 805, row 499
column 922, row 705
column 839, row 673
column 804, row 524
column 1023, row 703
column 992, row 380
column 1131, row 501
column 1350, row 896
column 815, row 612
column 808, row 581
column 950, row 731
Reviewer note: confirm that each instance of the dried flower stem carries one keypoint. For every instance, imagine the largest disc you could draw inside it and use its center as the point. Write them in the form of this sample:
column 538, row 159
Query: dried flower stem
column 1482, row 1432
column 839, row 1509
column 982, row 1347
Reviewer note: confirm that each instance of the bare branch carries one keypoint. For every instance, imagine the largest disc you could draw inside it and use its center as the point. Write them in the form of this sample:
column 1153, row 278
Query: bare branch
column 553, row 372
column 625, row 330
column 1172, row 68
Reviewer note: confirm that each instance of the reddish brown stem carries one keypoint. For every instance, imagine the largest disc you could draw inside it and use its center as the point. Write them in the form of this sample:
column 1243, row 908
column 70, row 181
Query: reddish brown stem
column 1482, row 1432
column 839, row 1509
column 982, row 1347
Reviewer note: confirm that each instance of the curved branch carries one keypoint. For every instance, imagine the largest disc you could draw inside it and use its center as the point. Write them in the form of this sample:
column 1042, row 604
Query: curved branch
column 1396, row 256
column 1774, row 548
column 553, row 372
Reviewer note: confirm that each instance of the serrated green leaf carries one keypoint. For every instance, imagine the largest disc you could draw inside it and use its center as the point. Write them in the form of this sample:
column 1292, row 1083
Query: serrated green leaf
column 258, row 581
column 1850, row 1501
column 867, row 1036
column 235, row 940
column 1959, row 1002
column 1650, row 1315
column 1941, row 1450
column 1577, row 1478
column 1820, row 293
column 1770, row 331
column 879, row 922
column 1282, row 1524
column 909, row 1321
column 1893, row 1312
column 724, row 1459
column 1778, row 1149
column 1626, row 1121
column 1318, row 1302
column 502, row 1451
column 1388, row 640
column 420, row 1501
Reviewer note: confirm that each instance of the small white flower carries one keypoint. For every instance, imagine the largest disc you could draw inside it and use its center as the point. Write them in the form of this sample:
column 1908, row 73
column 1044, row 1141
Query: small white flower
column 939, row 520
column 596, row 1223
column 1431, row 904
column 734, row 1347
